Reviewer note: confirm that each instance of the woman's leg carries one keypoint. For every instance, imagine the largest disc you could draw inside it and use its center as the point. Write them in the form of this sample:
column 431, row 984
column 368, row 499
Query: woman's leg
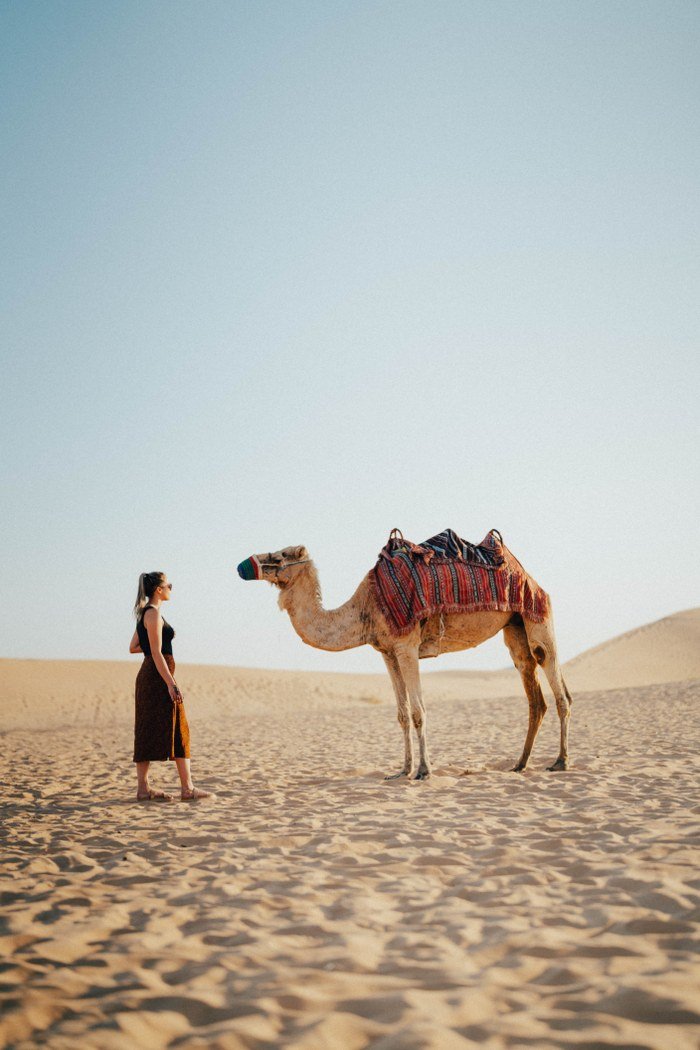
column 189, row 791
column 142, row 787
column 183, row 768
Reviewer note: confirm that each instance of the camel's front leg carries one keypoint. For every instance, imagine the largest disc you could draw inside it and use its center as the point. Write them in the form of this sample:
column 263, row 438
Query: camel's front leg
column 397, row 681
column 408, row 666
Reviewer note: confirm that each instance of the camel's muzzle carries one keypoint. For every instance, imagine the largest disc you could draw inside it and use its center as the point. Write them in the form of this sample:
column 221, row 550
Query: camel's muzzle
column 250, row 569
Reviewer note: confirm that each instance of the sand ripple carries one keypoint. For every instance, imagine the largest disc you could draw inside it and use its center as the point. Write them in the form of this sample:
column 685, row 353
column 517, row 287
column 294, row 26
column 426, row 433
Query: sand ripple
column 315, row 905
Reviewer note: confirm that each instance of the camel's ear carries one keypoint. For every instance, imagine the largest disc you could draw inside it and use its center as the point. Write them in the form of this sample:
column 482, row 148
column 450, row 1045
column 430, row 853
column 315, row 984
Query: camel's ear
column 301, row 553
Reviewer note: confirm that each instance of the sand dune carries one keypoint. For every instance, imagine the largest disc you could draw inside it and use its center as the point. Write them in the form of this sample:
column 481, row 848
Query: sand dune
column 667, row 650
column 316, row 906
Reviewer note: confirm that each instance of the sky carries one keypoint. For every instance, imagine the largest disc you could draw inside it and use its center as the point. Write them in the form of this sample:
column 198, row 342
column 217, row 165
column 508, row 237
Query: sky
column 303, row 272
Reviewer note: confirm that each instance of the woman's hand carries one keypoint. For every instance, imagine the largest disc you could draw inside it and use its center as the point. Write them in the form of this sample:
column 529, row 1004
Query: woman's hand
column 175, row 694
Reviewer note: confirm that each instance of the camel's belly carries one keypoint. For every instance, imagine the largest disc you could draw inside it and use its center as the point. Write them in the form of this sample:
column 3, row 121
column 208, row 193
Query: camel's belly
column 457, row 631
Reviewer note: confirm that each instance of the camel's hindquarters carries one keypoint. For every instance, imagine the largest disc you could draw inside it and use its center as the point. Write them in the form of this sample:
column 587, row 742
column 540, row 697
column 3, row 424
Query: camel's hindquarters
column 541, row 638
column 542, row 641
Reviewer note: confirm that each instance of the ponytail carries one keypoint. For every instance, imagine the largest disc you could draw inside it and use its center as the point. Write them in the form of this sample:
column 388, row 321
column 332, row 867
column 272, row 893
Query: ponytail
column 148, row 582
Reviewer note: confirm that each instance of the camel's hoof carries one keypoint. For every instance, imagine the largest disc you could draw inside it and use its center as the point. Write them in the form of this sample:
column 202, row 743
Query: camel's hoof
column 422, row 774
column 560, row 764
column 395, row 776
column 520, row 768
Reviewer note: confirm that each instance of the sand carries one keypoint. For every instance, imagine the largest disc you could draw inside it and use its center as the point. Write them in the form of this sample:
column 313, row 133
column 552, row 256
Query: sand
column 315, row 905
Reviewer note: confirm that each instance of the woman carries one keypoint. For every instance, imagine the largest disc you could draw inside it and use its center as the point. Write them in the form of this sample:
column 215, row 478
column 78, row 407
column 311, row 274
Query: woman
column 161, row 731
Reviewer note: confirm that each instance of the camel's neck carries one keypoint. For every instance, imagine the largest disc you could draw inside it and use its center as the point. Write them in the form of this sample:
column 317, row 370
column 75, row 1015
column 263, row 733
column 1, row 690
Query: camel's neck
column 335, row 629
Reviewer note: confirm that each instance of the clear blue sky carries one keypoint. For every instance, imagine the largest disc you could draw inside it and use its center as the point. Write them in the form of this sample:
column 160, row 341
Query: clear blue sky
column 301, row 272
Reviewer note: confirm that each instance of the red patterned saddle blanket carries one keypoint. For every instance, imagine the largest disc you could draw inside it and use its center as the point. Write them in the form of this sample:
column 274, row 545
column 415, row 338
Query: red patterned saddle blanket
column 447, row 574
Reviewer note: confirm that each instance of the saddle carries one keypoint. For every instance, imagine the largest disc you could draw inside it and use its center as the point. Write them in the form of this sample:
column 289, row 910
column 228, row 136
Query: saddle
column 446, row 574
column 448, row 545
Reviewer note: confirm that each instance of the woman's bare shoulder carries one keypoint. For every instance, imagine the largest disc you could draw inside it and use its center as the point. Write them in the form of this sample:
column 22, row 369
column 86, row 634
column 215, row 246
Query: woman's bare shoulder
column 151, row 615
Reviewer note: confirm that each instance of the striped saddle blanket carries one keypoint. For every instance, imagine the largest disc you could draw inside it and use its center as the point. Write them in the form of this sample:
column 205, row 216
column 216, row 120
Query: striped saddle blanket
column 446, row 574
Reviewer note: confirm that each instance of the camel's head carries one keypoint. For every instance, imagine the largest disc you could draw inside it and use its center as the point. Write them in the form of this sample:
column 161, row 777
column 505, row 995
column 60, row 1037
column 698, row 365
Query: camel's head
column 278, row 567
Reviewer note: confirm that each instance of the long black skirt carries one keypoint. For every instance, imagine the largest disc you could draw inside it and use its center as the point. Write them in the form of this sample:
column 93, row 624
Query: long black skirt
column 161, row 731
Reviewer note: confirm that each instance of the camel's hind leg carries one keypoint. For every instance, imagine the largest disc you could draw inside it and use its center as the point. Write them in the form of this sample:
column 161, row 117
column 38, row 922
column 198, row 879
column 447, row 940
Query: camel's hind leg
column 543, row 646
column 516, row 640
column 403, row 714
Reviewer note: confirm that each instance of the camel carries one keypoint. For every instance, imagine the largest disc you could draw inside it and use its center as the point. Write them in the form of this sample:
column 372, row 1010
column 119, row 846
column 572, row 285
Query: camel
column 360, row 622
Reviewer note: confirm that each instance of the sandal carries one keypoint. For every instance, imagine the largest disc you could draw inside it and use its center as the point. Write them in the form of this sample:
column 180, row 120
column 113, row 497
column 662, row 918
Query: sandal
column 196, row 795
column 155, row 796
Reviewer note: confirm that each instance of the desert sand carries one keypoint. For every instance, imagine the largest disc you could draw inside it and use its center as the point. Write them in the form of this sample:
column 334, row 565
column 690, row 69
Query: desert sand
column 314, row 904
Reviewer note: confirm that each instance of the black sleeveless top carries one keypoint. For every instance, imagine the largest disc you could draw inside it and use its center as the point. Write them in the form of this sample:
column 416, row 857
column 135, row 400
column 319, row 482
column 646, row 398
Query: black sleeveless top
column 167, row 636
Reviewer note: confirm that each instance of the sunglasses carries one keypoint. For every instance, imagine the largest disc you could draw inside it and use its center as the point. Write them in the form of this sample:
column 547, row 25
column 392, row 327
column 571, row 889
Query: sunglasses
column 168, row 585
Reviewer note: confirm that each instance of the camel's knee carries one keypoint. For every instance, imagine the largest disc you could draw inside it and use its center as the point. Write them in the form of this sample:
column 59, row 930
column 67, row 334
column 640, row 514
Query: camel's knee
column 418, row 716
column 403, row 718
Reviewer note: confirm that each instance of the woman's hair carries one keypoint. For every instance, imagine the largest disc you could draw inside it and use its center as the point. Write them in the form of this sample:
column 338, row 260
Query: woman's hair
column 148, row 582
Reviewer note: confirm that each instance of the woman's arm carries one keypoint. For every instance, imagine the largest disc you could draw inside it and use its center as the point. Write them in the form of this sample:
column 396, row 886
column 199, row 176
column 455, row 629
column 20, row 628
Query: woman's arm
column 134, row 646
column 154, row 627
